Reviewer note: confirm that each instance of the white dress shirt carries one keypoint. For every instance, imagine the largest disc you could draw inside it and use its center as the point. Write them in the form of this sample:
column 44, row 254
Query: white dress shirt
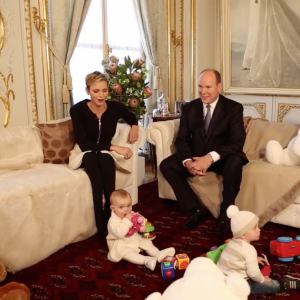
column 215, row 156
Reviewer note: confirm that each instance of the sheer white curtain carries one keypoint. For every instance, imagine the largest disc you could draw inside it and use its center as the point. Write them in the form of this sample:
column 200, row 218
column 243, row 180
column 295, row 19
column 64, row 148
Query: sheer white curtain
column 122, row 37
column 151, row 16
column 276, row 56
column 67, row 19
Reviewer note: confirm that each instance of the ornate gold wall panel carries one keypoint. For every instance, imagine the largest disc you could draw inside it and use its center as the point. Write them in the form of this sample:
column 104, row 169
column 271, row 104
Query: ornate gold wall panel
column 5, row 99
column 2, row 32
column 28, row 28
column 175, row 15
column 193, row 48
column 259, row 107
column 284, row 109
column 41, row 21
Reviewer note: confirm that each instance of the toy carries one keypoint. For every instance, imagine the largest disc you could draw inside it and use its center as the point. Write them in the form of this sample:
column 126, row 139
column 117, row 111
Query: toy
column 171, row 259
column 290, row 156
column 265, row 270
column 138, row 226
column 183, row 261
column 204, row 280
column 12, row 290
column 215, row 254
column 167, row 270
column 285, row 248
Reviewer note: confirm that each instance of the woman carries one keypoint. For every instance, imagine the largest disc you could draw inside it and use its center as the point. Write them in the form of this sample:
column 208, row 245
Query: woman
column 94, row 124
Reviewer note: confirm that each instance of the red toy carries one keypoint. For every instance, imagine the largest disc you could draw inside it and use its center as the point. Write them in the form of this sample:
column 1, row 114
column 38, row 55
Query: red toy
column 138, row 226
column 285, row 248
column 266, row 269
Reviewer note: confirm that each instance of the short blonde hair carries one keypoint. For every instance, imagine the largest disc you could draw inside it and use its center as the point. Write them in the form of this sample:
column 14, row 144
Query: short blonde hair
column 119, row 194
column 94, row 77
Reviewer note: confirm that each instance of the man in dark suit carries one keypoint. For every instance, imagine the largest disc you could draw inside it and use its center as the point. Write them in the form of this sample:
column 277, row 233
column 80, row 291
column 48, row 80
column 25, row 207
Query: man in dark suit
column 211, row 137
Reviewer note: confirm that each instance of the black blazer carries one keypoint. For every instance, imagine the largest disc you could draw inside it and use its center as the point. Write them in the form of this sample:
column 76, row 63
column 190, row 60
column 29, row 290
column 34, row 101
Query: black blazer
column 226, row 134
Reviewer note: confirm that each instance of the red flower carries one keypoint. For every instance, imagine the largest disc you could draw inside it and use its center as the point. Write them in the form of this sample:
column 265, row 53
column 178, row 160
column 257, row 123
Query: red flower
column 133, row 102
column 138, row 63
column 136, row 76
column 113, row 58
column 147, row 91
column 117, row 88
column 113, row 68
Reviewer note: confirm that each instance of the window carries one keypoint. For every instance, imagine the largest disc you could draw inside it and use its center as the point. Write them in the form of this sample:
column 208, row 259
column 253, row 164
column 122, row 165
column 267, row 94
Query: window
column 108, row 22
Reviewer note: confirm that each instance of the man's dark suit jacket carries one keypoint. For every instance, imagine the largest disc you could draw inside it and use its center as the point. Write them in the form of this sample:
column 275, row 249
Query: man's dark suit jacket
column 226, row 134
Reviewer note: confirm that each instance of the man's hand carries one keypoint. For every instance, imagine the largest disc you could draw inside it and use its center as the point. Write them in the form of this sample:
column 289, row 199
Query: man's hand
column 189, row 165
column 133, row 134
column 201, row 164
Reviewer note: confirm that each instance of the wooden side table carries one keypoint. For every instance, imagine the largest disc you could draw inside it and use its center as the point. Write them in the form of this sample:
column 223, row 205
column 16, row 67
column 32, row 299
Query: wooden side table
column 152, row 147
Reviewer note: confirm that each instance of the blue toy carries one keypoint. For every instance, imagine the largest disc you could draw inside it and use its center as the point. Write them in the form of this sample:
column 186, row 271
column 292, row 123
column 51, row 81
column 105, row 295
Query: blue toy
column 167, row 270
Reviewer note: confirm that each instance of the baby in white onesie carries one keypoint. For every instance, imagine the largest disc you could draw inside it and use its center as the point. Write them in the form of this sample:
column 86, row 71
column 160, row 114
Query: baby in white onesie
column 128, row 247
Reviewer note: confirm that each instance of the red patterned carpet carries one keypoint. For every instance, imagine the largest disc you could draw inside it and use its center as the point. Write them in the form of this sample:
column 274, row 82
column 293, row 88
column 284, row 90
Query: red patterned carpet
column 81, row 270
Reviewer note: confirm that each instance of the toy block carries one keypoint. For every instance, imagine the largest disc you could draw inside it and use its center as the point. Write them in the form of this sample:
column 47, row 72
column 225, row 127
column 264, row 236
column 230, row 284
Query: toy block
column 183, row 261
column 171, row 259
column 167, row 270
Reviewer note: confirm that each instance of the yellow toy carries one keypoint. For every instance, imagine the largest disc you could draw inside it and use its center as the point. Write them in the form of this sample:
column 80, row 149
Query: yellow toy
column 183, row 261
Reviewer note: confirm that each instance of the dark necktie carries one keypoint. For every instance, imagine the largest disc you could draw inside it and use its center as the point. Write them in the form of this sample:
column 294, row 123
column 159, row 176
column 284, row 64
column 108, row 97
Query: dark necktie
column 207, row 118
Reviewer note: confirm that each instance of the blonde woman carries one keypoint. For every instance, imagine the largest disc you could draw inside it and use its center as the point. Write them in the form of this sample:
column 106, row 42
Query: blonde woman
column 94, row 124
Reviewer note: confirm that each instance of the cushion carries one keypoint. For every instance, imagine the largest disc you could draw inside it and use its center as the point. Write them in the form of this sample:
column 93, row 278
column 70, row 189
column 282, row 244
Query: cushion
column 20, row 147
column 260, row 131
column 246, row 121
column 57, row 140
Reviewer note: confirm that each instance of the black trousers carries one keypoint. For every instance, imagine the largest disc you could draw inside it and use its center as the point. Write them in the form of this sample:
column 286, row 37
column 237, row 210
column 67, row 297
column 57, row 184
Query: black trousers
column 100, row 168
column 176, row 175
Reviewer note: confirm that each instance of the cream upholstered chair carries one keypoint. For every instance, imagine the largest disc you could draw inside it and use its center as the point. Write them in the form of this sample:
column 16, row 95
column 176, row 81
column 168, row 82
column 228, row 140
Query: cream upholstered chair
column 270, row 191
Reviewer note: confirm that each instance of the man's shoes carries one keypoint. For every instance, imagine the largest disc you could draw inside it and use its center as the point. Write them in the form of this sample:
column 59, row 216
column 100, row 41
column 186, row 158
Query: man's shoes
column 222, row 226
column 197, row 216
column 291, row 283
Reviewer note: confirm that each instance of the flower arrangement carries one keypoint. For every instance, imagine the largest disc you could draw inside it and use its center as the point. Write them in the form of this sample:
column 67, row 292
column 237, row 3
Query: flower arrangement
column 127, row 83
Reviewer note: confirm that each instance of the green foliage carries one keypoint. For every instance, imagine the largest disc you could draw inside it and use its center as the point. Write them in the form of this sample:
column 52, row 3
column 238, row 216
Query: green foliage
column 127, row 83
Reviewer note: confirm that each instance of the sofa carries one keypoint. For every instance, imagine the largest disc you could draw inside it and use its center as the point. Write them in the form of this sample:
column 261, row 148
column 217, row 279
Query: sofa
column 46, row 206
column 270, row 191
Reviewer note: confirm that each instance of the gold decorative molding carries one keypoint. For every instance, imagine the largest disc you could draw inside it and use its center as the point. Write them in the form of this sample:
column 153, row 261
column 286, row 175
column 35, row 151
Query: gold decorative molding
column 193, row 46
column 28, row 29
column 169, row 45
column 39, row 24
column 2, row 32
column 5, row 99
column 259, row 107
column 42, row 25
column 181, row 50
column 284, row 109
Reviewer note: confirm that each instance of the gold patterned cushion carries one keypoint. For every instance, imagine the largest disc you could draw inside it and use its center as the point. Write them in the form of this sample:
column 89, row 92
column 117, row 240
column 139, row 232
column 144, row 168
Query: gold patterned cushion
column 57, row 140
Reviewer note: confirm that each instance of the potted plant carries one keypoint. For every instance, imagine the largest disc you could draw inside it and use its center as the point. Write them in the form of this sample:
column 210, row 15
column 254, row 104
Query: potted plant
column 127, row 83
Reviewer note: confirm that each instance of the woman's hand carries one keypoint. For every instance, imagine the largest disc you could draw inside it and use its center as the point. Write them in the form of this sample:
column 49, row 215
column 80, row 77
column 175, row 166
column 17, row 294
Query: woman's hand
column 125, row 151
column 133, row 134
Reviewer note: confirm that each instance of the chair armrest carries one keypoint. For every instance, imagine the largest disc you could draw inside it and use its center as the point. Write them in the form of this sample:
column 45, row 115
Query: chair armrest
column 162, row 135
column 120, row 139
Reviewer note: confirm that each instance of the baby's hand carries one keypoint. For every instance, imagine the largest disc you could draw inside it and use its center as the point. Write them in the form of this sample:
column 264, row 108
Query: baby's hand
column 129, row 217
column 261, row 261
column 267, row 279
